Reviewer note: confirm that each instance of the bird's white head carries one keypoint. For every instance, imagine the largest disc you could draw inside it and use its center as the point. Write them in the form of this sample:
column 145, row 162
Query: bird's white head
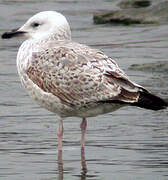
column 44, row 25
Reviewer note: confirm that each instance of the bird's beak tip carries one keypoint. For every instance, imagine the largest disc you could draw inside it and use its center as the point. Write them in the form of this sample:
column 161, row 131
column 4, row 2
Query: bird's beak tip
column 11, row 34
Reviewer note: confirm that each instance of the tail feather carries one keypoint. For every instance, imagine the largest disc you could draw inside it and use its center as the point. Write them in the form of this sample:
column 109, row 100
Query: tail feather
column 149, row 101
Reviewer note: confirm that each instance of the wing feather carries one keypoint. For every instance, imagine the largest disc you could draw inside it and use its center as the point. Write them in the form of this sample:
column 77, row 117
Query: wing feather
column 80, row 75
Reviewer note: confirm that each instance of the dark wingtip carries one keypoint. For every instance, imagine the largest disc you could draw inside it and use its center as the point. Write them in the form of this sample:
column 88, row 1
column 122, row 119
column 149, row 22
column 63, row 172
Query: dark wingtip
column 150, row 101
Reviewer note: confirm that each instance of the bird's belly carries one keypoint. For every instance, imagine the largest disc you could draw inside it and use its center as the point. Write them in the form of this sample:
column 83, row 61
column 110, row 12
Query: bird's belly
column 97, row 109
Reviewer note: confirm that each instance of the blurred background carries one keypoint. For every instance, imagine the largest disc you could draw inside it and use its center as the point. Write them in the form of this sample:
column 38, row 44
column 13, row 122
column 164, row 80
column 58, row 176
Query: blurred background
column 130, row 143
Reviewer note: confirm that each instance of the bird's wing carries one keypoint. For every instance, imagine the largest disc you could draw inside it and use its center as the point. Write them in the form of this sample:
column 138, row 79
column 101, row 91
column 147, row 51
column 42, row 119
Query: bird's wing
column 81, row 75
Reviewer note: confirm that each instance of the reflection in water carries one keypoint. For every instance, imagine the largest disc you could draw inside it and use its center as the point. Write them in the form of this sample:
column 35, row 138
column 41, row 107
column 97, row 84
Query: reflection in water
column 83, row 164
column 60, row 166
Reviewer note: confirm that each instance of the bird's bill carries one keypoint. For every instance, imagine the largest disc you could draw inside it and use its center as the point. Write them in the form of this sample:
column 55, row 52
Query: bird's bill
column 13, row 33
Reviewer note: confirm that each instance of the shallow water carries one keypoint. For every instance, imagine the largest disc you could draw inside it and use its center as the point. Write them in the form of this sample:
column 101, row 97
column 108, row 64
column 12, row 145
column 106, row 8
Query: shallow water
column 130, row 143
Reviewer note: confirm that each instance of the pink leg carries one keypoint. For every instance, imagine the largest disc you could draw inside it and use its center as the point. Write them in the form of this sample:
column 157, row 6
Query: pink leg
column 60, row 135
column 83, row 130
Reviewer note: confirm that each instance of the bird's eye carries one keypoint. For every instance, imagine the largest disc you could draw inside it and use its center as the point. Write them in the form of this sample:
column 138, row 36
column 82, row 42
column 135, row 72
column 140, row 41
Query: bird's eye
column 35, row 24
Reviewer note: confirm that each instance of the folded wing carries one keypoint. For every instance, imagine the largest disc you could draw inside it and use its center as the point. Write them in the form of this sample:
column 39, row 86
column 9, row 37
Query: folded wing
column 80, row 75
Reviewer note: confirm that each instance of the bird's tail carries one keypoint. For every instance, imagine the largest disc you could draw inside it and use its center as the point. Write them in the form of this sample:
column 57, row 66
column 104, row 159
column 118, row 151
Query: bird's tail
column 149, row 101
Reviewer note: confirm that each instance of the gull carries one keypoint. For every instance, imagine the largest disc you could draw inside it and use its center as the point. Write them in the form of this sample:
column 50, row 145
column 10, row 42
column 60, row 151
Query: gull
column 72, row 79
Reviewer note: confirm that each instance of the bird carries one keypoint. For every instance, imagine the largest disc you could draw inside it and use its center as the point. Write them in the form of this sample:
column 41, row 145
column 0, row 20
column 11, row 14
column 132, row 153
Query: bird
column 72, row 79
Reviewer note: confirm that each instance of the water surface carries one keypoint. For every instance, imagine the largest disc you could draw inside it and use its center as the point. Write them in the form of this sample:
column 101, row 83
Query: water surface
column 130, row 143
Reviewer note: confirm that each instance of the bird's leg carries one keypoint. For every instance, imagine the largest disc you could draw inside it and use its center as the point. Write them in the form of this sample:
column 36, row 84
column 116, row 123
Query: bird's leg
column 60, row 134
column 83, row 130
